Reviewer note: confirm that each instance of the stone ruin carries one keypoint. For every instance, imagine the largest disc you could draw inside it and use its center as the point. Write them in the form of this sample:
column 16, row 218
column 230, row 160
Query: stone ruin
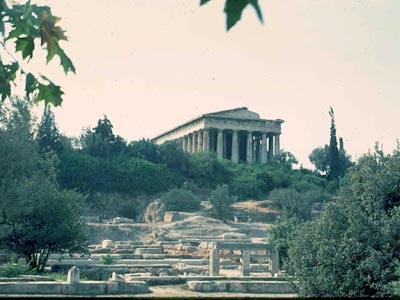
column 199, row 261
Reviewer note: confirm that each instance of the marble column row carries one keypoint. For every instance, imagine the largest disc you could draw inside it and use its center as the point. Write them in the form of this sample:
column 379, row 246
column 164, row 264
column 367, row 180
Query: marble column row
column 196, row 141
column 259, row 147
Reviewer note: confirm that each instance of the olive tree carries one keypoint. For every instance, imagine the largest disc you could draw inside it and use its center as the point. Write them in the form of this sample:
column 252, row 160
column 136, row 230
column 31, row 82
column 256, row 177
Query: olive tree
column 36, row 216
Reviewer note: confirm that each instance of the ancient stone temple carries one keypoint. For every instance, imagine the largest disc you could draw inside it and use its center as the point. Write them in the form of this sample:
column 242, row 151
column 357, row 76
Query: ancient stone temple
column 236, row 134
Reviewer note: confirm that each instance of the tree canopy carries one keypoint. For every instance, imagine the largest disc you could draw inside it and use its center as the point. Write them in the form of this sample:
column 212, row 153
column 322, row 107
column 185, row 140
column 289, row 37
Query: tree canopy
column 36, row 216
column 331, row 160
column 353, row 249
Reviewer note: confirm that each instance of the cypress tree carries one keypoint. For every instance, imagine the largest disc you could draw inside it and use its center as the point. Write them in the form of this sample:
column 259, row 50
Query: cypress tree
column 48, row 136
column 334, row 162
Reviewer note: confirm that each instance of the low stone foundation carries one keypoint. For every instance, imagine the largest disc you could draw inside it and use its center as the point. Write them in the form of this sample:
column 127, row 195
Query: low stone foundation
column 84, row 288
column 229, row 286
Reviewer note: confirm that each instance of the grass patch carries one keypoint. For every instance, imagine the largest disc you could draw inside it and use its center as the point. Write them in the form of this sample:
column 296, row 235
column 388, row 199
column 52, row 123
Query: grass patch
column 14, row 270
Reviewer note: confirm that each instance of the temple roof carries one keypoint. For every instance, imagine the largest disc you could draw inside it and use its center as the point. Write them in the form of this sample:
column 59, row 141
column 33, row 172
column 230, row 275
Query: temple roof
column 235, row 113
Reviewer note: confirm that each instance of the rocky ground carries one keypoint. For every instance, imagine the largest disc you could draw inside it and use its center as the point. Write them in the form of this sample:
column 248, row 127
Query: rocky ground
column 254, row 222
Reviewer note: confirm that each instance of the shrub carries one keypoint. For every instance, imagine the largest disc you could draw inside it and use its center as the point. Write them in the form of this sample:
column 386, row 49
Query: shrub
column 181, row 200
column 221, row 201
column 107, row 259
column 13, row 270
column 291, row 203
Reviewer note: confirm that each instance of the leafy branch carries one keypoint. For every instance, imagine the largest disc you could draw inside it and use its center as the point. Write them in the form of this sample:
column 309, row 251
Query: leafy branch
column 24, row 24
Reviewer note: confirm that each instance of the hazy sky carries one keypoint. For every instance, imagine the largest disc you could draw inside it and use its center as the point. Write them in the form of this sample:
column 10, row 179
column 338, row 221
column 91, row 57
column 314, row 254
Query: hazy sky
column 150, row 65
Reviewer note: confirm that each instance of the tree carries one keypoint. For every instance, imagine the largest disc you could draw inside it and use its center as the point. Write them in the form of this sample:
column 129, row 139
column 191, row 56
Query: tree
column 145, row 149
column 24, row 24
column 329, row 159
column 48, row 136
column 319, row 157
column 36, row 217
column 101, row 141
column 40, row 219
column 353, row 249
column 334, row 164
column 234, row 8
column 285, row 158
column 221, row 201
column 207, row 170
column 344, row 158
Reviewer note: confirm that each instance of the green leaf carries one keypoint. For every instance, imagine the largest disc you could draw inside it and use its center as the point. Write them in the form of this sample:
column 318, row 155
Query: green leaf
column 50, row 93
column 30, row 84
column 12, row 70
column 16, row 32
column 202, row 2
column 234, row 10
column 25, row 45
column 254, row 3
column 51, row 50
column 65, row 61
column 5, row 89
column 8, row 74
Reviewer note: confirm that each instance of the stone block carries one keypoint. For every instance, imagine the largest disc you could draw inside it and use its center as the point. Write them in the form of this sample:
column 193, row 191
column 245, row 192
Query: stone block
column 155, row 212
column 245, row 260
column 120, row 246
column 233, row 236
column 274, row 261
column 134, row 276
column 74, row 275
column 205, row 245
column 107, row 244
column 153, row 250
column 207, row 286
column 153, row 256
column 99, row 256
column 237, row 286
column 172, row 216
column 122, row 220
column 117, row 278
column 259, row 268
column 214, row 262
column 122, row 251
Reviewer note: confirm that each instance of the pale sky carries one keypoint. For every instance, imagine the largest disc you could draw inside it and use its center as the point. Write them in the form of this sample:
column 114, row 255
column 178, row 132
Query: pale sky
column 150, row 65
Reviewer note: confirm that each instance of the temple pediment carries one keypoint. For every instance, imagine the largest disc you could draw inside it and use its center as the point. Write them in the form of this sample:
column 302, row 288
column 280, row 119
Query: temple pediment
column 236, row 113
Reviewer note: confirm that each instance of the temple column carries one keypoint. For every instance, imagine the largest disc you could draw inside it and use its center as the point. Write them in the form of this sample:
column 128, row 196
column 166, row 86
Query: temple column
column 277, row 145
column 220, row 144
column 184, row 143
column 194, row 142
column 189, row 143
column 270, row 146
column 264, row 148
column 258, row 149
column 249, row 154
column 206, row 140
column 200, row 141
column 235, row 147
